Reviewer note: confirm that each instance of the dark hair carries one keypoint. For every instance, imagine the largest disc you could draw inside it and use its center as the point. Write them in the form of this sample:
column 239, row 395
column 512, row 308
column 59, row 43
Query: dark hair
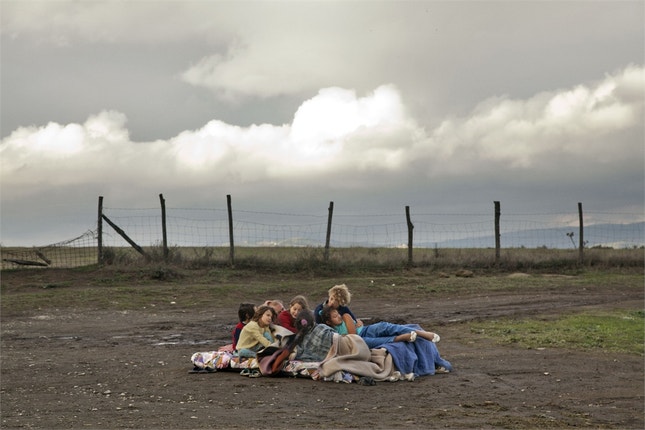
column 303, row 324
column 304, row 321
column 325, row 314
column 261, row 310
column 246, row 311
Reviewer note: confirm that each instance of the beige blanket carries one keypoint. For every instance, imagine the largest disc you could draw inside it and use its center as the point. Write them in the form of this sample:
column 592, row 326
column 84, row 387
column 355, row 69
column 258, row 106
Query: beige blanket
column 351, row 354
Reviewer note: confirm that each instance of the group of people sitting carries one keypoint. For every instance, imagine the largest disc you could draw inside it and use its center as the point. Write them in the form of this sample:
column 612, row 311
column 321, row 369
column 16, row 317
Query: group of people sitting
column 332, row 331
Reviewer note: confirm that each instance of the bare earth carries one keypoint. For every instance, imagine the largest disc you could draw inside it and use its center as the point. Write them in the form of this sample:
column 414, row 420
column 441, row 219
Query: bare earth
column 129, row 369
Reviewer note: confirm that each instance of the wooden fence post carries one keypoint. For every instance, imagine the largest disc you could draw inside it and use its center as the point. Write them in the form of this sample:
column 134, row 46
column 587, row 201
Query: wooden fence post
column 163, row 227
column 410, row 234
column 125, row 236
column 328, row 237
column 230, row 230
column 497, row 232
column 99, row 231
column 582, row 241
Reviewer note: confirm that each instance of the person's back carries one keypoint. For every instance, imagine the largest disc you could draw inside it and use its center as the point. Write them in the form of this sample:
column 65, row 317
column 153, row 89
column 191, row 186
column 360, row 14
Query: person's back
column 286, row 320
column 313, row 341
column 315, row 345
column 245, row 313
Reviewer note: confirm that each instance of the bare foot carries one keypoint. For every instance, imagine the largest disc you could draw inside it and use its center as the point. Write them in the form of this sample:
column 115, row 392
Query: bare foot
column 428, row 335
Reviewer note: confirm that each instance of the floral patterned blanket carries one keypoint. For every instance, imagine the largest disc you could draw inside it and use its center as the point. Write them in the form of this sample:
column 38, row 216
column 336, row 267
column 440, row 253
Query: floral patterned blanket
column 225, row 359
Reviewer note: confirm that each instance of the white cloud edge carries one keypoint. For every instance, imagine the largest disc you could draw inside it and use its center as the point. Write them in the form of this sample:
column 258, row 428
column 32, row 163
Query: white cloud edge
column 339, row 133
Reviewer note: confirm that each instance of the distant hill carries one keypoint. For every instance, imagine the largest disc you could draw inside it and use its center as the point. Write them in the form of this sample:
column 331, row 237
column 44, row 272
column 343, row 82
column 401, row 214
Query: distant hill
column 605, row 235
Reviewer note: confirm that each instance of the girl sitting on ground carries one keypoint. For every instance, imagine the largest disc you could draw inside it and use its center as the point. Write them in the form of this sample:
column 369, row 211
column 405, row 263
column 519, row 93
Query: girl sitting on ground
column 377, row 334
column 257, row 333
column 287, row 317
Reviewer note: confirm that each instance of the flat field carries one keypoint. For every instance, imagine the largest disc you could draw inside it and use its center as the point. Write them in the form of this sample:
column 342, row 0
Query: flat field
column 104, row 348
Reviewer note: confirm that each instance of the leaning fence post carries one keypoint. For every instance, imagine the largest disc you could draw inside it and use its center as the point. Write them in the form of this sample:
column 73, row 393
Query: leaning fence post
column 582, row 241
column 230, row 230
column 328, row 237
column 163, row 227
column 99, row 231
column 410, row 234
column 497, row 233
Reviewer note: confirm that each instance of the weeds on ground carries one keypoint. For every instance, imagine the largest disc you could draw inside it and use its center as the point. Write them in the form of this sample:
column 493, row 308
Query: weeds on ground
column 616, row 331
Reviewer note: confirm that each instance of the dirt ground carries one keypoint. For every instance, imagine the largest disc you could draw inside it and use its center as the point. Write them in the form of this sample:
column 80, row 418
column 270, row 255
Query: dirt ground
column 129, row 369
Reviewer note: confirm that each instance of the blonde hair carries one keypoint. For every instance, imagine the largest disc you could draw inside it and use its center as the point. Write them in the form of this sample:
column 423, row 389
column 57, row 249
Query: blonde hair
column 341, row 294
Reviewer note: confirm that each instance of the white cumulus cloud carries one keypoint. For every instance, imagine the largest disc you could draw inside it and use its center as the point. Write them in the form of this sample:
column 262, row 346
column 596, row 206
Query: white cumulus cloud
column 341, row 134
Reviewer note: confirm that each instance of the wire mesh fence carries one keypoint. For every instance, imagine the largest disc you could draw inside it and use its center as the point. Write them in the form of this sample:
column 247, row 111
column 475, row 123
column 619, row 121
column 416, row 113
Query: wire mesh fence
column 205, row 234
column 186, row 227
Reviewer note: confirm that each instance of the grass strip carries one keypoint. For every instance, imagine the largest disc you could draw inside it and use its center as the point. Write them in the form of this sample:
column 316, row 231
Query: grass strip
column 615, row 331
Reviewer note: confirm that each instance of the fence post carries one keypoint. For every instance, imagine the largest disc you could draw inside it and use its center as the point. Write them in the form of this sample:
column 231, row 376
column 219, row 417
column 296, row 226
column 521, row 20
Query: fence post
column 410, row 235
column 99, row 231
column 582, row 241
column 328, row 237
column 125, row 236
column 497, row 233
column 163, row 227
column 230, row 230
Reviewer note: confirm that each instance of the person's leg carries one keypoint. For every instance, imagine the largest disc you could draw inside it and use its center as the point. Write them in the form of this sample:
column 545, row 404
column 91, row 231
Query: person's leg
column 428, row 335
column 246, row 353
column 376, row 342
column 383, row 328
column 404, row 337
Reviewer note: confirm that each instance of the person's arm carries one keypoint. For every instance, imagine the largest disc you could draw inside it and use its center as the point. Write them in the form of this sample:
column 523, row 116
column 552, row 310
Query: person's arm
column 347, row 310
column 349, row 323
column 255, row 335
column 259, row 336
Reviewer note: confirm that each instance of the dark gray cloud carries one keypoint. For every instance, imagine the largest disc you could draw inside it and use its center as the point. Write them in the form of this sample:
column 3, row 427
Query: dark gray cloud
column 444, row 106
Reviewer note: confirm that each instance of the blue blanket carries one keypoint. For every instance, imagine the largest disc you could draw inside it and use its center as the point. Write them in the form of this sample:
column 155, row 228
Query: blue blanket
column 420, row 357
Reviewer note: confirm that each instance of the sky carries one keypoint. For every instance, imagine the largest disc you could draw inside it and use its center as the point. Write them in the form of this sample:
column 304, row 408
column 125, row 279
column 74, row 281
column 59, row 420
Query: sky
column 287, row 106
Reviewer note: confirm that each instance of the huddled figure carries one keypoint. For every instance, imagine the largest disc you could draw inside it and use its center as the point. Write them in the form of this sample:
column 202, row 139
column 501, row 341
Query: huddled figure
column 377, row 334
column 330, row 331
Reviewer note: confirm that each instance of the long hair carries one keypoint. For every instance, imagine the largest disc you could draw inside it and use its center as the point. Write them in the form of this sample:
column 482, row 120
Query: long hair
column 261, row 310
column 300, row 300
column 304, row 323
